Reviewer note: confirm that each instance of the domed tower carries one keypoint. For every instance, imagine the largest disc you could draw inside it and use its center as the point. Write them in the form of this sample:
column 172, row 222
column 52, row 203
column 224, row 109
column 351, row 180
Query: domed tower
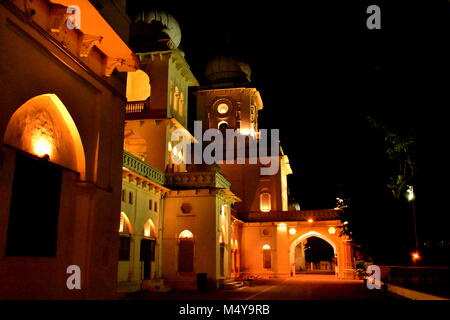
column 228, row 102
column 155, row 30
column 157, row 95
column 223, row 71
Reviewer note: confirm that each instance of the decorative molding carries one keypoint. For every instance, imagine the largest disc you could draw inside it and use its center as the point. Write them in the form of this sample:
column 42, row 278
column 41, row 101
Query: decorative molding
column 111, row 64
column 87, row 43
column 58, row 18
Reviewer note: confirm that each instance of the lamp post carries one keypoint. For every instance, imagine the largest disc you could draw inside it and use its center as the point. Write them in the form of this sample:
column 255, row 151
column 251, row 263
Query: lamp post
column 411, row 197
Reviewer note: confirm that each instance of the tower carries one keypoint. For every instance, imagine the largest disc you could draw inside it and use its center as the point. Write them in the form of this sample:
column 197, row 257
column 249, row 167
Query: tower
column 228, row 101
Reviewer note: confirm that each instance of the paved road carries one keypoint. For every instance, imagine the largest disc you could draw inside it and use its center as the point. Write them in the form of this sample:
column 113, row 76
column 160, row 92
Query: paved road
column 300, row 287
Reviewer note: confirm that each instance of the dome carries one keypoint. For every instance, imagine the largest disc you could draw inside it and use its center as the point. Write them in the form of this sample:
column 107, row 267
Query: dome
column 227, row 68
column 168, row 23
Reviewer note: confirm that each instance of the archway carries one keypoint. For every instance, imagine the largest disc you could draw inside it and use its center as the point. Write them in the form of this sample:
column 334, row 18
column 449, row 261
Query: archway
column 323, row 262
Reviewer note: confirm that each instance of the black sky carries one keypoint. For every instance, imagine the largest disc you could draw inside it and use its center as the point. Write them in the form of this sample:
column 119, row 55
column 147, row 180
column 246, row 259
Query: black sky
column 321, row 72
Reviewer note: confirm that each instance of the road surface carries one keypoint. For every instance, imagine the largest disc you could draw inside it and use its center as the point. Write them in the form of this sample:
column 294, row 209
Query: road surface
column 300, row 287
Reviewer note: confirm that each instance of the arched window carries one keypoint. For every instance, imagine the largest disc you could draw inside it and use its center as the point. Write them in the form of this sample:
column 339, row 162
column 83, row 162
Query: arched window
column 265, row 201
column 181, row 104
column 186, row 252
column 149, row 229
column 125, row 237
column 222, row 125
column 267, row 256
column 148, row 248
column 176, row 99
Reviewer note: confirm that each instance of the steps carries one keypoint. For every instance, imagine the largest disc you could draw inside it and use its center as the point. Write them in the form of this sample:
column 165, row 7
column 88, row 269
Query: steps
column 231, row 284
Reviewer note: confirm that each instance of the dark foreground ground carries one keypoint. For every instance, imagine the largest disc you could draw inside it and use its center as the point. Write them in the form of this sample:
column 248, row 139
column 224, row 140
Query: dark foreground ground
column 300, row 287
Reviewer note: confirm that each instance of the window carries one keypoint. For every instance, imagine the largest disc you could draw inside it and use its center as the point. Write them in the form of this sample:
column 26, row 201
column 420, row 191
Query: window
column 124, row 249
column 147, row 255
column 150, row 206
column 265, row 201
column 267, row 257
column 125, row 237
column 124, row 195
column 156, row 207
column 186, row 252
column 34, row 210
column 130, row 197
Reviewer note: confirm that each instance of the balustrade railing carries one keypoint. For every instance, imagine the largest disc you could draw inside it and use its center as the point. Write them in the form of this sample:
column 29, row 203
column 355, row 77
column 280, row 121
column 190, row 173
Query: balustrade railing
column 137, row 106
column 142, row 168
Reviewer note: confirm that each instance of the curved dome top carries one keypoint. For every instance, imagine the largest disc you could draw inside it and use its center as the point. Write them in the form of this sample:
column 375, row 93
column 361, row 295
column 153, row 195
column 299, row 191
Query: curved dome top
column 168, row 22
column 226, row 68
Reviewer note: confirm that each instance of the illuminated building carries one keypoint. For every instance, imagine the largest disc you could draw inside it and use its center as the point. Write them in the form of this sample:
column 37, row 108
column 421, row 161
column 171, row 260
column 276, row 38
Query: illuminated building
column 87, row 154
column 61, row 128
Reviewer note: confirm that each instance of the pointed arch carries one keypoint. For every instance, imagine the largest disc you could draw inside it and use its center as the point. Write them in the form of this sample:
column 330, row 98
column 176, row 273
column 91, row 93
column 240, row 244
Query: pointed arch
column 150, row 229
column 306, row 236
column 185, row 234
column 125, row 225
column 44, row 127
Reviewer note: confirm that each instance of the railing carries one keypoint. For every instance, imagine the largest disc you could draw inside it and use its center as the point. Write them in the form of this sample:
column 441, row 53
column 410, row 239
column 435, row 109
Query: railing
column 142, row 168
column 302, row 215
column 137, row 106
column 208, row 179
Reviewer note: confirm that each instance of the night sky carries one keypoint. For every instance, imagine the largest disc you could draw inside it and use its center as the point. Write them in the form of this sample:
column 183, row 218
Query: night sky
column 320, row 73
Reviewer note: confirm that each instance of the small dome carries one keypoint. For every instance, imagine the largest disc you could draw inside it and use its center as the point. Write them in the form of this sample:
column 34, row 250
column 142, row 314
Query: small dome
column 227, row 68
column 168, row 23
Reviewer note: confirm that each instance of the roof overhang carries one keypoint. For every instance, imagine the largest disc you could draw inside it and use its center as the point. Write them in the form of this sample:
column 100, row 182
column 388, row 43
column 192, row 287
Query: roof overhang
column 98, row 32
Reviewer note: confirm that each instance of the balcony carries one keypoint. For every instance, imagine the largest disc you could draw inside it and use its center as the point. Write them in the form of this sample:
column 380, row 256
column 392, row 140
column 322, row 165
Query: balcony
column 142, row 168
column 137, row 106
column 207, row 179
column 302, row 215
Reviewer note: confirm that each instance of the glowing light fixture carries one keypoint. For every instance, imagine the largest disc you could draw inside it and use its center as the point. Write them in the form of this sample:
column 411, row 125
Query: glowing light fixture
column 266, row 247
column 331, row 230
column 282, row 226
column 169, row 146
column 415, row 256
column 310, row 220
column 222, row 108
column 186, row 234
column 292, row 231
column 410, row 193
column 42, row 146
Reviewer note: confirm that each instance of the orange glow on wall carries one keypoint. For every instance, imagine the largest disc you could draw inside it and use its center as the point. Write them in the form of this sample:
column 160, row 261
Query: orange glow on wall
column 43, row 126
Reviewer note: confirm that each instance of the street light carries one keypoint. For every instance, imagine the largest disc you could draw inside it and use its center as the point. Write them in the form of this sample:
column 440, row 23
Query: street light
column 411, row 197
